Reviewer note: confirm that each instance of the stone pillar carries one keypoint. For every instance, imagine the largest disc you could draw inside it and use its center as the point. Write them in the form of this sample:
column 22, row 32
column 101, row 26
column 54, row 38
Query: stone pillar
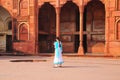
column 58, row 18
column 106, row 51
column 36, row 24
column 58, row 21
column 106, row 34
column 81, row 50
column 33, row 24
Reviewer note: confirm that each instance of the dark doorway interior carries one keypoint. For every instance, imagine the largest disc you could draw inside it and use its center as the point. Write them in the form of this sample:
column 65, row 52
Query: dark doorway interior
column 46, row 28
column 69, row 27
column 85, row 43
column 10, row 25
column 9, row 45
column 46, row 43
column 76, row 43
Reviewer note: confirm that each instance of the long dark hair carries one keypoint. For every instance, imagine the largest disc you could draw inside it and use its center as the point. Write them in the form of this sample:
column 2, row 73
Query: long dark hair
column 58, row 38
column 59, row 41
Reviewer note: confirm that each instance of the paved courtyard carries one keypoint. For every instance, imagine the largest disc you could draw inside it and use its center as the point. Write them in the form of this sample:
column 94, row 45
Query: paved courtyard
column 74, row 68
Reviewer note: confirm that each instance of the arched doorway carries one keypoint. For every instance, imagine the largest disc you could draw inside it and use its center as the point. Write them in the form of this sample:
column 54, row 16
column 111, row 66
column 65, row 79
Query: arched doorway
column 46, row 28
column 94, row 27
column 69, row 21
column 5, row 30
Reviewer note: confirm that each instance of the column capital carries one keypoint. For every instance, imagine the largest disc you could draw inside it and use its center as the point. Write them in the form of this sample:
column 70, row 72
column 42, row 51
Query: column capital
column 57, row 10
column 57, row 7
column 81, row 9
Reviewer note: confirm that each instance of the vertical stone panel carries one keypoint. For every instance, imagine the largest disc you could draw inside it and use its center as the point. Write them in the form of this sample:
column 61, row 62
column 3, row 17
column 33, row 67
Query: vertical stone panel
column 31, row 10
column 33, row 18
column 118, row 30
column 111, row 28
column 118, row 5
column 24, row 7
column 15, row 4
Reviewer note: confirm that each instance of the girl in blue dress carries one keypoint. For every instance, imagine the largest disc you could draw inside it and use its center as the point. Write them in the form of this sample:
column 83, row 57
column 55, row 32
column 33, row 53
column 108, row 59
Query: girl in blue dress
column 58, row 53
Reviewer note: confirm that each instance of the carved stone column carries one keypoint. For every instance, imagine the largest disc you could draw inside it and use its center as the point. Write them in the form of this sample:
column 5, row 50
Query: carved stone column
column 81, row 50
column 58, row 21
column 106, row 51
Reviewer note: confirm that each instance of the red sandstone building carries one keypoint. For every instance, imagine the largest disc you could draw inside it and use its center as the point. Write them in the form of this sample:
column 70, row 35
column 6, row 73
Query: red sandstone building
column 84, row 26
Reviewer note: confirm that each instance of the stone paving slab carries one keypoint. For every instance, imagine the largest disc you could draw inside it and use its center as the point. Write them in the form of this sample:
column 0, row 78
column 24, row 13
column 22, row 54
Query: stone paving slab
column 74, row 68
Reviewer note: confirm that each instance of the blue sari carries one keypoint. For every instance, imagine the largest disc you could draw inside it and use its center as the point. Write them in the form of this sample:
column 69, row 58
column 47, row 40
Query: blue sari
column 58, row 53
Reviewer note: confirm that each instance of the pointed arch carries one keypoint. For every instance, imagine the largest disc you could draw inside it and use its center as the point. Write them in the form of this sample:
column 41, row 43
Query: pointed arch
column 5, row 19
column 46, row 28
column 69, row 26
column 23, row 31
column 94, row 27
column 5, row 32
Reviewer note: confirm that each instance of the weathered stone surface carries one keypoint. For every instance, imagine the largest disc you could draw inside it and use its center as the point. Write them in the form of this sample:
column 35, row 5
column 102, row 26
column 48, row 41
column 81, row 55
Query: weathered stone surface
column 47, row 18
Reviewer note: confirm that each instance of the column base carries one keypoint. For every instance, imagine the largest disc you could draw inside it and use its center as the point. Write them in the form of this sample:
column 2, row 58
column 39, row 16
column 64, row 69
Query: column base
column 80, row 51
column 106, row 52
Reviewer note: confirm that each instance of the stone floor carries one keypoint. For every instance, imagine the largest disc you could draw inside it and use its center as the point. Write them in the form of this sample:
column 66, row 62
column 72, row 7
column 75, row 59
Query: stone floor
column 74, row 68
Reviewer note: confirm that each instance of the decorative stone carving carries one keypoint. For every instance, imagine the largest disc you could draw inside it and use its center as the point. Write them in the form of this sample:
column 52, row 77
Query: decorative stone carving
column 23, row 8
column 15, row 4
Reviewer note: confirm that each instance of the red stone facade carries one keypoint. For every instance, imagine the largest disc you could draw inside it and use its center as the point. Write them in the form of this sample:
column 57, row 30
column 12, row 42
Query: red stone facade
column 84, row 26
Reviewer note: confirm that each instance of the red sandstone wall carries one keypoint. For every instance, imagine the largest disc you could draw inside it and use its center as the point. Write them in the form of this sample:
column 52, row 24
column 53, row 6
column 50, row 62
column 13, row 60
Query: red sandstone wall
column 114, row 48
column 26, row 14
column 114, row 18
column 24, row 47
